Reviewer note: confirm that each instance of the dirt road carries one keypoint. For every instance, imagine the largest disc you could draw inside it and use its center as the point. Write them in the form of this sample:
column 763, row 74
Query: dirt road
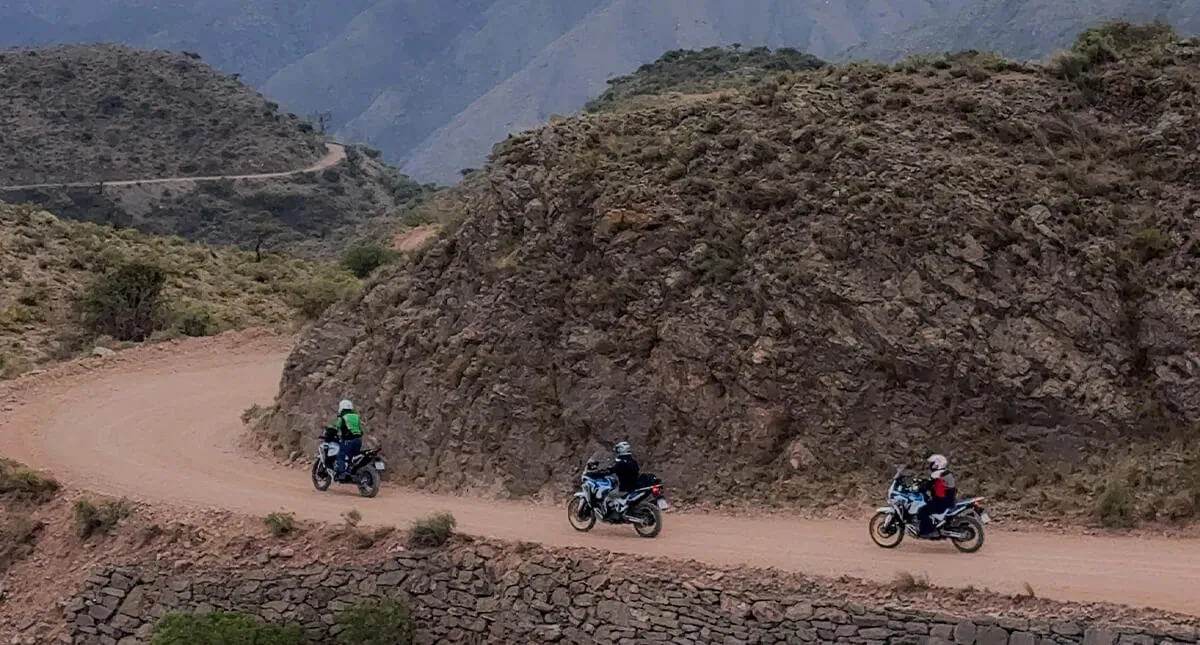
column 163, row 426
column 334, row 154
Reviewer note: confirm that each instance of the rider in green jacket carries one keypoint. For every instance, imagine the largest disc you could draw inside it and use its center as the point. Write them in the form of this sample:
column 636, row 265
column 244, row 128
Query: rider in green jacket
column 349, row 427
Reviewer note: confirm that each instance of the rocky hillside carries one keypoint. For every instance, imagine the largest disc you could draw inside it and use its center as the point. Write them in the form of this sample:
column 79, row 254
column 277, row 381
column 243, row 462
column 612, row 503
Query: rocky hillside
column 103, row 113
column 48, row 268
column 781, row 294
column 433, row 85
column 695, row 72
column 93, row 113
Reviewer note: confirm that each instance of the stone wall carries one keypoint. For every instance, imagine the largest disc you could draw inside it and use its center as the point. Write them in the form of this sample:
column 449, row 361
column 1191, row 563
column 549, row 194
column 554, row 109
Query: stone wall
column 487, row 592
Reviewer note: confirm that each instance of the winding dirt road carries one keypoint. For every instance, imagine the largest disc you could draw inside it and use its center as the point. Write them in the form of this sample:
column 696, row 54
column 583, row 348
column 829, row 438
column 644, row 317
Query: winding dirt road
column 334, row 154
column 162, row 425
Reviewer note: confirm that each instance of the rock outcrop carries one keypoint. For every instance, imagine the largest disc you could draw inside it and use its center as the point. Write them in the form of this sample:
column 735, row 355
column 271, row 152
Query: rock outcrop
column 779, row 294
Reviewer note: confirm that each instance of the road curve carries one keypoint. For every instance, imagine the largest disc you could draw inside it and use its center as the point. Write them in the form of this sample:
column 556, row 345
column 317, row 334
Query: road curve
column 164, row 427
column 334, row 154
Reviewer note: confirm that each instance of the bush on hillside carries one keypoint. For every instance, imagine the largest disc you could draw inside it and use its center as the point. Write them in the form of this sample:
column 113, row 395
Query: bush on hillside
column 433, row 531
column 376, row 622
column 98, row 519
column 126, row 303
column 197, row 322
column 312, row 298
column 363, row 260
column 222, row 628
column 25, row 484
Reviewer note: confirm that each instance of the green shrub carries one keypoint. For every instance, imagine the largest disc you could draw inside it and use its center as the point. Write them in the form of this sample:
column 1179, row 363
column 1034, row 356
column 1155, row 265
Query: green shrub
column 363, row 260
column 312, row 298
column 222, row 629
column 197, row 322
column 280, row 523
column 25, row 484
column 1114, row 507
column 126, row 303
column 375, row 622
column 432, row 531
column 92, row 519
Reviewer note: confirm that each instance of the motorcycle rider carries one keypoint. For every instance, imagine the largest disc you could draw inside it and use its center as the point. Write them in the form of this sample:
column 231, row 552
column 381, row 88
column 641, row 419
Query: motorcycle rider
column 625, row 467
column 349, row 428
column 940, row 490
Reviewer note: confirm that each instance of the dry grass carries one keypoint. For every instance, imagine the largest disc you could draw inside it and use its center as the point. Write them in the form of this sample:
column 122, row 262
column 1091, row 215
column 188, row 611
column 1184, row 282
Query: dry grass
column 906, row 581
column 48, row 263
column 280, row 523
column 98, row 518
column 432, row 531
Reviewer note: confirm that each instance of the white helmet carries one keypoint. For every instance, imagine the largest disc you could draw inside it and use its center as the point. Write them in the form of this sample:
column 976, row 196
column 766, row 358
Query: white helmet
column 937, row 462
column 623, row 448
column 345, row 405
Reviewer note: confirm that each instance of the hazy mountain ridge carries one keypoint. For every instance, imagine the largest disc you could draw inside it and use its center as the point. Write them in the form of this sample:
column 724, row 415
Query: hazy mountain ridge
column 435, row 85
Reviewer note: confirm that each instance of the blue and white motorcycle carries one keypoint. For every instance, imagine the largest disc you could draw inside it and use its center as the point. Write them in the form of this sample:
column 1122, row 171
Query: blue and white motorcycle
column 962, row 524
column 642, row 508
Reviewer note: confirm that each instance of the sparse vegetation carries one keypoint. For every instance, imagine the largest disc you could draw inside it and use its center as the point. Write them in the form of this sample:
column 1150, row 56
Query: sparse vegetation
column 1115, row 505
column 85, row 280
column 222, row 628
column 313, row 297
column 432, row 531
column 280, row 523
column 705, row 70
column 906, row 581
column 22, row 484
column 375, row 622
column 93, row 518
column 363, row 260
column 127, row 302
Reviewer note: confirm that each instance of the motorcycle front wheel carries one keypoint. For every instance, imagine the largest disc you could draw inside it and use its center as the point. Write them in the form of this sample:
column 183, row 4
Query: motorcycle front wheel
column 580, row 515
column 886, row 529
column 321, row 477
column 368, row 482
column 974, row 530
column 651, row 517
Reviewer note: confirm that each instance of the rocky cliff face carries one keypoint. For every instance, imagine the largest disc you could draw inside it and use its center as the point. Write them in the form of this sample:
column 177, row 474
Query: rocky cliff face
column 778, row 295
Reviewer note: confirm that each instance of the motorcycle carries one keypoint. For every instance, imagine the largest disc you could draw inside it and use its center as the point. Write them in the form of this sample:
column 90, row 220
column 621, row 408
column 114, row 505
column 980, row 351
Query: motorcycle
column 643, row 507
column 362, row 470
column 962, row 524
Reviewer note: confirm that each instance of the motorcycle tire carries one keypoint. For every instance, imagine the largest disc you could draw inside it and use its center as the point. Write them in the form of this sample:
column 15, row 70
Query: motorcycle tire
column 576, row 508
column 367, row 481
column 885, row 534
column 647, row 511
column 322, row 479
column 973, row 544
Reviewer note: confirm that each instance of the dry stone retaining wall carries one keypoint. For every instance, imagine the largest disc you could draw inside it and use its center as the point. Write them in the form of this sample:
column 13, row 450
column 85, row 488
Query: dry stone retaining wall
column 483, row 592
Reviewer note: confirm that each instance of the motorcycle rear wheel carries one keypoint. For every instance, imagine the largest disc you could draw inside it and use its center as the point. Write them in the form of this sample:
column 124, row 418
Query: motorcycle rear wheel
column 653, row 517
column 367, row 481
column 886, row 534
column 322, row 479
column 576, row 509
column 973, row 543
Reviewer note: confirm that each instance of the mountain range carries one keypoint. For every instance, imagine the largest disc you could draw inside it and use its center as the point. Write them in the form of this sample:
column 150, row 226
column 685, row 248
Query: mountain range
column 434, row 85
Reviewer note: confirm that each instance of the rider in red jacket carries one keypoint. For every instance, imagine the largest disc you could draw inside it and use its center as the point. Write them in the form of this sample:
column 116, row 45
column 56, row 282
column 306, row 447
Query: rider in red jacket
column 940, row 492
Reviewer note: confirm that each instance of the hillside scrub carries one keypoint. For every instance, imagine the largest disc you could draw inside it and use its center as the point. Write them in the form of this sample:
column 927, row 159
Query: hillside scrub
column 705, row 70
column 66, row 283
column 108, row 112
column 222, row 628
column 857, row 265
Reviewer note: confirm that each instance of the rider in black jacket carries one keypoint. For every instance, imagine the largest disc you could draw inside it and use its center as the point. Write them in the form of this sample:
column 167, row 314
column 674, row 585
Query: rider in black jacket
column 625, row 467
